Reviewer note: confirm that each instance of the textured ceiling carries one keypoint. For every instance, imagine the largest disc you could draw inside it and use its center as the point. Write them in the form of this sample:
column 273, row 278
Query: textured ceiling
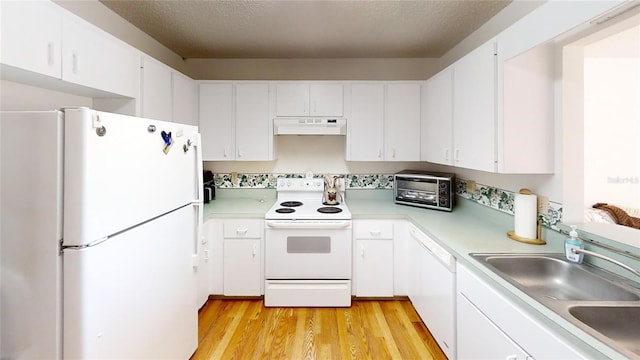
column 309, row 28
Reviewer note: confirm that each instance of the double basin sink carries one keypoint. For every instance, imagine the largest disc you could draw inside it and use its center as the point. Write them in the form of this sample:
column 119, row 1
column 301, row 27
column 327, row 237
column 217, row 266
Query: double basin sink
column 602, row 304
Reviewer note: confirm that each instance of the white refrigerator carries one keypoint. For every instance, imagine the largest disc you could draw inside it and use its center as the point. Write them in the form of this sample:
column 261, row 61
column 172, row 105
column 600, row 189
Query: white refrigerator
column 100, row 225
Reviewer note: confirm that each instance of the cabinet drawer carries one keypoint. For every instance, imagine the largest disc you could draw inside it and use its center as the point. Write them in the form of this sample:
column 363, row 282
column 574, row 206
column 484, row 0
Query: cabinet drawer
column 251, row 229
column 373, row 229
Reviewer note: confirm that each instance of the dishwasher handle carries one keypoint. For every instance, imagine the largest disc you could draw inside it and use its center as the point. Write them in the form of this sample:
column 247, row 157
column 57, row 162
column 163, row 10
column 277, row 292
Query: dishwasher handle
column 446, row 259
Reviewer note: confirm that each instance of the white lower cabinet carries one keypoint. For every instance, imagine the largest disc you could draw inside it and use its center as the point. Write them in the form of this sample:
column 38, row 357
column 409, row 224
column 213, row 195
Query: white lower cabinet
column 492, row 326
column 374, row 267
column 242, row 257
column 480, row 338
column 242, row 267
column 373, row 258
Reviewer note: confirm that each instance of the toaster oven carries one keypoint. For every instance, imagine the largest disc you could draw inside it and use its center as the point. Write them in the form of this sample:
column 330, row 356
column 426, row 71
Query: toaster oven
column 431, row 190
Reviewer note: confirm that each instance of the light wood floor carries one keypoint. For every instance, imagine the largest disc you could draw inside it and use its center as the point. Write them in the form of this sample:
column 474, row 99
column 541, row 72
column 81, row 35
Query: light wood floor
column 369, row 329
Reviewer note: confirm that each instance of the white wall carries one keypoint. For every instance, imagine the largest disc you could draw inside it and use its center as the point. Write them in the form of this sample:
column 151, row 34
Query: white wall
column 612, row 128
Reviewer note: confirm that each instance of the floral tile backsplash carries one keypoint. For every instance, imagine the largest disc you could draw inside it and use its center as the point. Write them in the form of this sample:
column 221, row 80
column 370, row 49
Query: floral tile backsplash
column 489, row 196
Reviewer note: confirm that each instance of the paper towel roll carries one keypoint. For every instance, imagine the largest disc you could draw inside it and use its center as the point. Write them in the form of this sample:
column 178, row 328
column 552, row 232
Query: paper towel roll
column 525, row 209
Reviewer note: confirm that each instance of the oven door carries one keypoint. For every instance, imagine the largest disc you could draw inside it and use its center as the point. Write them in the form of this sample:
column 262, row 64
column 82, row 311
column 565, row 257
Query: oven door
column 300, row 249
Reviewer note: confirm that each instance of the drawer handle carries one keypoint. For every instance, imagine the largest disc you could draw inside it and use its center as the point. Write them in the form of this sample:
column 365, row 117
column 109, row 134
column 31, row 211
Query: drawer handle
column 242, row 231
column 375, row 232
column 253, row 254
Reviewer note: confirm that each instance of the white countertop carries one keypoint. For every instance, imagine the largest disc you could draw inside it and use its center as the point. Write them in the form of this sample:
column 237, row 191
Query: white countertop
column 470, row 228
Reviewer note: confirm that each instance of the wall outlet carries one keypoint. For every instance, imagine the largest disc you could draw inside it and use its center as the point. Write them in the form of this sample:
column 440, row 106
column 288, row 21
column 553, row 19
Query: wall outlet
column 234, row 178
column 543, row 205
column 471, row 186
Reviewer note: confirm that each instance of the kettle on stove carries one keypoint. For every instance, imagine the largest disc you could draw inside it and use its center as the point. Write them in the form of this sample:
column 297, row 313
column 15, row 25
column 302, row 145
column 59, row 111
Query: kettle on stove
column 331, row 193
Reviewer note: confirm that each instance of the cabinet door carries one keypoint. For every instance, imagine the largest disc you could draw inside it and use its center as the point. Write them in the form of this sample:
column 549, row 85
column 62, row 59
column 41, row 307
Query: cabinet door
column 216, row 121
column 94, row 58
column 252, row 122
column 242, row 267
column 185, row 99
column 480, row 338
column 326, row 99
column 402, row 123
column 32, row 36
column 292, row 99
column 156, row 92
column 474, row 120
column 374, row 267
column 365, row 131
column 436, row 131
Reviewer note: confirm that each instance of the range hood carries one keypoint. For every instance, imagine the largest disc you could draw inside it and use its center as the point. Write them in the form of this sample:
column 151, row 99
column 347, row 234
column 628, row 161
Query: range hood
column 310, row 126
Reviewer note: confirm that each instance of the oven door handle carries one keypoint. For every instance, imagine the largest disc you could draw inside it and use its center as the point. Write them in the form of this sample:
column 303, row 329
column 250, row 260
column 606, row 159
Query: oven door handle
column 337, row 224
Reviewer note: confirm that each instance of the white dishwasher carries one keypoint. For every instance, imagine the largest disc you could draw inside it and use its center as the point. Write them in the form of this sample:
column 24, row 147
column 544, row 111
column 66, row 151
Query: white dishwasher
column 432, row 288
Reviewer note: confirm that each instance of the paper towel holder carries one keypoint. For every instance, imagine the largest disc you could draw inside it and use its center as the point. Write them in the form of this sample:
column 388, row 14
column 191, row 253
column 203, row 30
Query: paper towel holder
column 538, row 240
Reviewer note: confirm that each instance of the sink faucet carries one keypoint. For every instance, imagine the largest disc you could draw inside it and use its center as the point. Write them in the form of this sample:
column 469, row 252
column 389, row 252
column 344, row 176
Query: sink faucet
column 624, row 266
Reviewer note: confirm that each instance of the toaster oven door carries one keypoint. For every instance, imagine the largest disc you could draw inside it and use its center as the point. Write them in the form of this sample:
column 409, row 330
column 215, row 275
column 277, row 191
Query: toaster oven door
column 419, row 191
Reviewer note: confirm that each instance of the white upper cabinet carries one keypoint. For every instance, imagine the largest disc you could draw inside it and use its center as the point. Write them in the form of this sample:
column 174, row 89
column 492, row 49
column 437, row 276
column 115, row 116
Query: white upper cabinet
column 365, row 128
column 185, row 99
column 436, row 130
column 156, row 94
column 32, row 36
column 95, row 59
column 254, row 133
column 402, row 122
column 384, row 122
column 474, row 101
column 503, row 111
column 42, row 38
column 309, row 99
column 167, row 94
column 235, row 121
column 216, row 121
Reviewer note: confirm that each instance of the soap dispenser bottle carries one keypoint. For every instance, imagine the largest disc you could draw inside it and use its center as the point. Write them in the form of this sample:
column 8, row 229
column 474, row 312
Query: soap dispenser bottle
column 572, row 242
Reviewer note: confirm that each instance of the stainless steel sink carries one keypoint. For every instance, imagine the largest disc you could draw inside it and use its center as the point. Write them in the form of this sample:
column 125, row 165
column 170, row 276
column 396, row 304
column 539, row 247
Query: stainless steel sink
column 599, row 302
column 620, row 323
column 557, row 279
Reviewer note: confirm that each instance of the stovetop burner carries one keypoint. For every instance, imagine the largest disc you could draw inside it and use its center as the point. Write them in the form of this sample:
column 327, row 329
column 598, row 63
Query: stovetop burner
column 329, row 210
column 291, row 203
column 301, row 199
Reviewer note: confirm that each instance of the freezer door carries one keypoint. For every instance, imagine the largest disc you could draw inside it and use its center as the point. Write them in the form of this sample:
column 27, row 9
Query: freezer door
column 30, row 231
column 134, row 295
column 119, row 172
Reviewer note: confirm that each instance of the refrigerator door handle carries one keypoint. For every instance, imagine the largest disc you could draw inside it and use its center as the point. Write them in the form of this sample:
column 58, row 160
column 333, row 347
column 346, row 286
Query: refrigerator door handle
column 200, row 182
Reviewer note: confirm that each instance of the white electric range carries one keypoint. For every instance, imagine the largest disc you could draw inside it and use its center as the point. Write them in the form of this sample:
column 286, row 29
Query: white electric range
column 307, row 247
